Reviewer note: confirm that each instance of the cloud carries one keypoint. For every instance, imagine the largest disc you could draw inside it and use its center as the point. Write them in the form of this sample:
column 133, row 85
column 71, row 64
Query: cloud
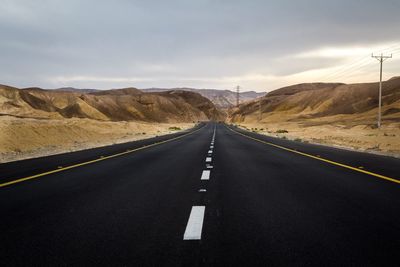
column 207, row 43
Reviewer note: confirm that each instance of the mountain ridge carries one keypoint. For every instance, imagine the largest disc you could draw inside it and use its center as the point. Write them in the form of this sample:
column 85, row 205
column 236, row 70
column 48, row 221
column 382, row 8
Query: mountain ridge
column 222, row 99
column 125, row 104
column 317, row 100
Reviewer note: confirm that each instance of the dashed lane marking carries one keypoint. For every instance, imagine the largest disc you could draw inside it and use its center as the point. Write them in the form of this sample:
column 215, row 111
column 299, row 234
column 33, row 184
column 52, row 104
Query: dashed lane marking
column 195, row 223
column 205, row 175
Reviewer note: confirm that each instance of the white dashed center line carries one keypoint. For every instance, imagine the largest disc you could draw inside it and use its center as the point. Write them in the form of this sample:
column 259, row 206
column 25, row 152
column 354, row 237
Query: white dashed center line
column 195, row 223
column 205, row 175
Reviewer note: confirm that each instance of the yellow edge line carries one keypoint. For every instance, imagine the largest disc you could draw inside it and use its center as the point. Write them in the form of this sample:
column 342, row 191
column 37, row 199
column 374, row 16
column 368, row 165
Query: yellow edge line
column 93, row 161
column 320, row 159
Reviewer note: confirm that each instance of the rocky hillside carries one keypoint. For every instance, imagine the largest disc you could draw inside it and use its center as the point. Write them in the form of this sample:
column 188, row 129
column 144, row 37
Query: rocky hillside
column 222, row 99
column 318, row 100
column 126, row 104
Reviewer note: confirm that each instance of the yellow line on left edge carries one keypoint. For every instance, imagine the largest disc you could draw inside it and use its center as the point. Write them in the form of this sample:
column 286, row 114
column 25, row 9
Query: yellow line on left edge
column 92, row 161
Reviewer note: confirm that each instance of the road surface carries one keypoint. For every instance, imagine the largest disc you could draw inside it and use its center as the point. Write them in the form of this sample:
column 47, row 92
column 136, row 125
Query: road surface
column 216, row 196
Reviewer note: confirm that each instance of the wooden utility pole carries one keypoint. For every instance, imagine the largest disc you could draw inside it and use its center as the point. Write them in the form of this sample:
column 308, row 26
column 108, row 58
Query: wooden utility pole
column 380, row 58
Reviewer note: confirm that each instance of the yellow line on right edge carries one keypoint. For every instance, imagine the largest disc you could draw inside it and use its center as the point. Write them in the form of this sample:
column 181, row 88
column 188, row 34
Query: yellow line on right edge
column 320, row 159
column 93, row 161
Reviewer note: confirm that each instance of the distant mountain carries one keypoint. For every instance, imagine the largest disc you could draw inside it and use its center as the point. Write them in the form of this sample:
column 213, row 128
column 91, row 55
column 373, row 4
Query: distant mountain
column 72, row 89
column 317, row 100
column 114, row 105
column 222, row 99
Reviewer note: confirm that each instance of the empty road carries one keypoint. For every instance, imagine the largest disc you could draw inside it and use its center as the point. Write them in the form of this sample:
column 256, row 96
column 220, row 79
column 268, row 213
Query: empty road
column 215, row 196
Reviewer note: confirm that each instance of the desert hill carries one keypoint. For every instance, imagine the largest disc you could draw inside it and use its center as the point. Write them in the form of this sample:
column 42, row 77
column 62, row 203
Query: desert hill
column 319, row 100
column 343, row 115
column 222, row 99
column 127, row 104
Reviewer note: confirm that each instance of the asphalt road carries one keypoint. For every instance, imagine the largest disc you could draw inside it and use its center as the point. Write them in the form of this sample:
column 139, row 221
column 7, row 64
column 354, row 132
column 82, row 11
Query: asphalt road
column 253, row 204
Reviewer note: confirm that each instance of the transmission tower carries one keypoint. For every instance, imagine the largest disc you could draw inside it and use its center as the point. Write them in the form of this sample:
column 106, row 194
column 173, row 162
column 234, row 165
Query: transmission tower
column 237, row 95
column 380, row 58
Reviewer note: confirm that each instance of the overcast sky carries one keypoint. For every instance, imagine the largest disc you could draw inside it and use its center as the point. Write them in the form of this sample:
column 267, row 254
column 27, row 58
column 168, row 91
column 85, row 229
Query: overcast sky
column 259, row 45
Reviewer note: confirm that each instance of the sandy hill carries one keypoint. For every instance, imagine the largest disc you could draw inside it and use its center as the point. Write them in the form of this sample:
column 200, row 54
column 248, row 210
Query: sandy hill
column 222, row 99
column 319, row 100
column 343, row 115
column 125, row 104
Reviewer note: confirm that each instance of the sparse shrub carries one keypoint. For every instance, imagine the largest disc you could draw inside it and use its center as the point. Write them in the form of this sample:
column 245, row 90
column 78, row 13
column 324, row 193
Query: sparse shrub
column 281, row 131
column 174, row 128
column 298, row 140
column 143, row 133
column 284, row 137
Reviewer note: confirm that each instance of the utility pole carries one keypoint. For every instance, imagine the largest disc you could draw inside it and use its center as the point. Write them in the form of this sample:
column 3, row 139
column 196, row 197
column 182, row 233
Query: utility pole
column 380, row 58
column 237, row 95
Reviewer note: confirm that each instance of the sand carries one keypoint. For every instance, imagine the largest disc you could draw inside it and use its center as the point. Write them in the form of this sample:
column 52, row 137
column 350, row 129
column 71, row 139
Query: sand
column 342, row 131
column 22, row 138
column 342, row 115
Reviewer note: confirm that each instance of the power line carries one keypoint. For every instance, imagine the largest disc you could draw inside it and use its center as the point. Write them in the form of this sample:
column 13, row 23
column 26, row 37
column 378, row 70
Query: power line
column 351, row 72
column 394, row 49
column 356, row 71
column 357, row 64
column 339, row 70
column 397, row 51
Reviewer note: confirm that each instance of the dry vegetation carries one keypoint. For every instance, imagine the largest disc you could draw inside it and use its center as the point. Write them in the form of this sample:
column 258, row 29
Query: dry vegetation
column 22, row 138
column 332, row 114
column 361, row 137
column 36, row 122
